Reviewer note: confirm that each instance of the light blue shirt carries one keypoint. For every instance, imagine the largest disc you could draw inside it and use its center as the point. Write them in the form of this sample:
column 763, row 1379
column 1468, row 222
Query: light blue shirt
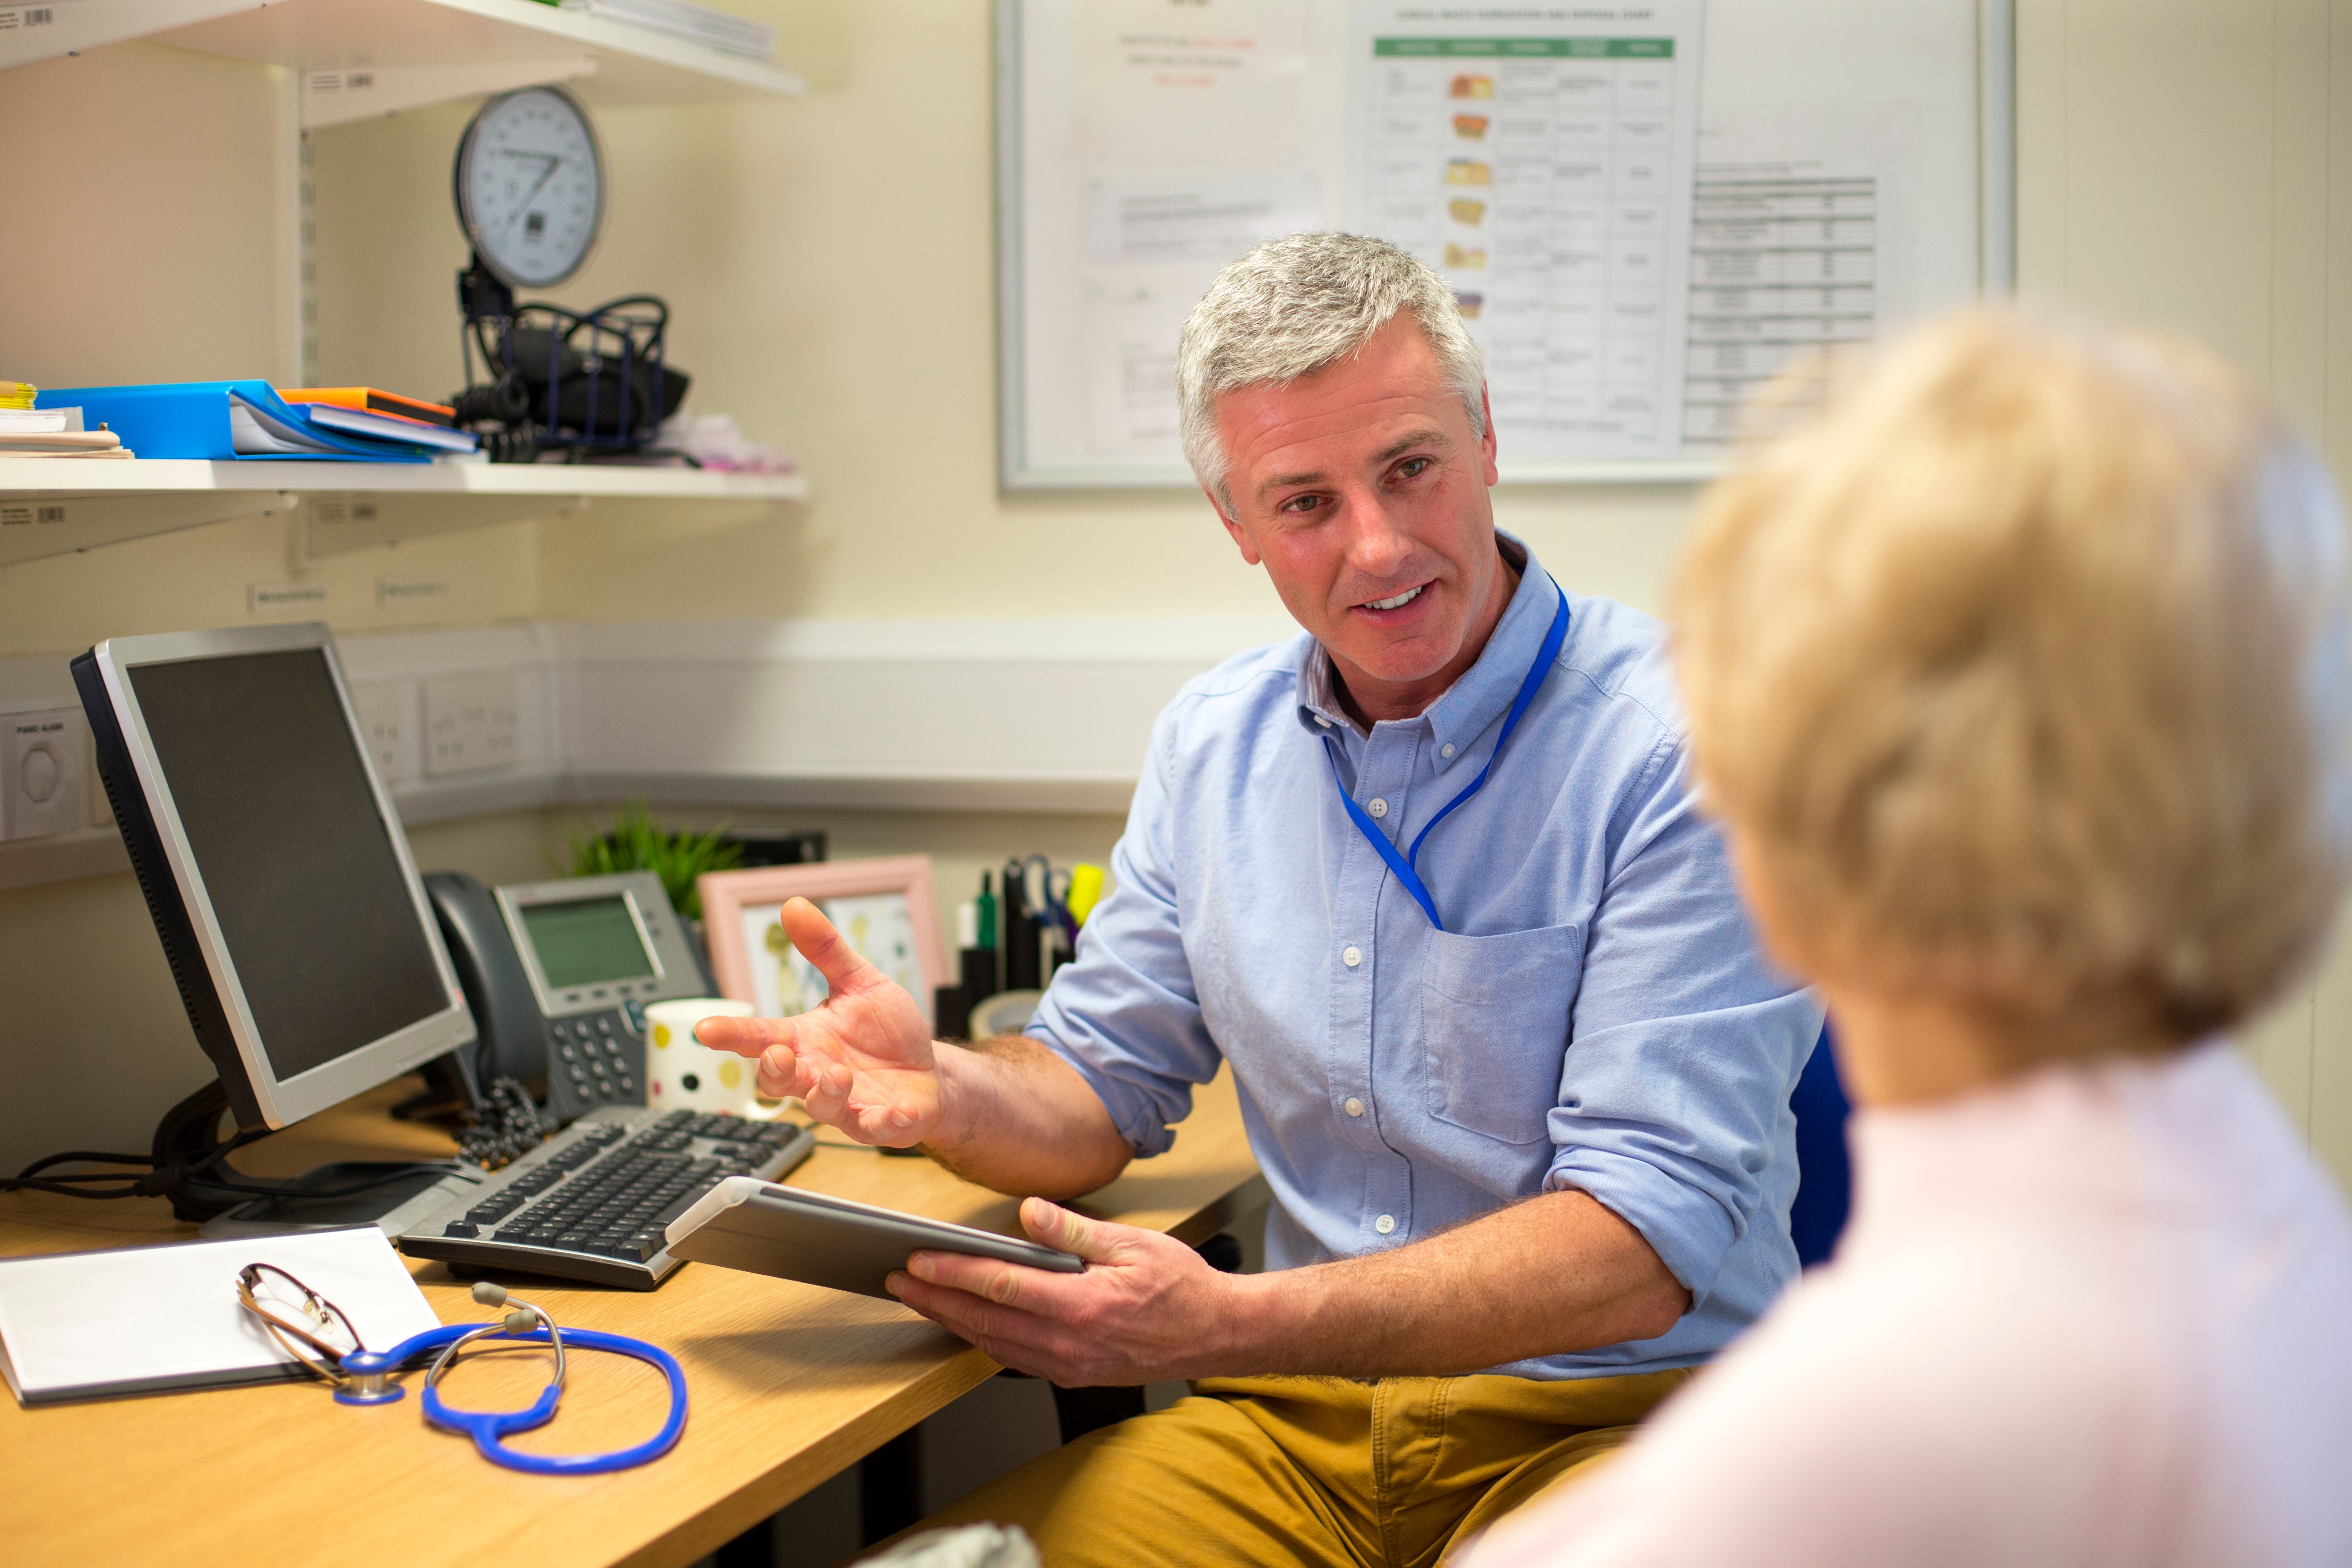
column 1596, row 1014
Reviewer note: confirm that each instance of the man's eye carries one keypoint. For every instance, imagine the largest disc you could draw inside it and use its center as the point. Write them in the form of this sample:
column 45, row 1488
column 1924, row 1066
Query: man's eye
column 1300, row 504
column 1413, row 468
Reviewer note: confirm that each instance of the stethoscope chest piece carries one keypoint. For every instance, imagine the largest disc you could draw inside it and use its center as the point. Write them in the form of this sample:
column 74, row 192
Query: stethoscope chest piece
column 368, row 1388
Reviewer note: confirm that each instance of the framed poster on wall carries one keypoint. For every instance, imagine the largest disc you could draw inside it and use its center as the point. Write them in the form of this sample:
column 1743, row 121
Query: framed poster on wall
column 1644, row 210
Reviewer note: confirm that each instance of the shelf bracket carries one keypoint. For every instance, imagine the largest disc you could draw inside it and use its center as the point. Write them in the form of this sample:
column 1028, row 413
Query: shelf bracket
column 362, row 92
column 336, row 522
column 39, row 524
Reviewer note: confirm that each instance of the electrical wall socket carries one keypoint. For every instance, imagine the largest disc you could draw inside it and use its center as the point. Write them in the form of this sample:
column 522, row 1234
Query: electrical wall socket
column 44, row 773
column 473, row 723
column 388, row 723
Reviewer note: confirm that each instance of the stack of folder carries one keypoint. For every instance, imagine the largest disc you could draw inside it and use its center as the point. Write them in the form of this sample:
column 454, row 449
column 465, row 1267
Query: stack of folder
column 705, row 25
column 221, row 420
column 26, row 431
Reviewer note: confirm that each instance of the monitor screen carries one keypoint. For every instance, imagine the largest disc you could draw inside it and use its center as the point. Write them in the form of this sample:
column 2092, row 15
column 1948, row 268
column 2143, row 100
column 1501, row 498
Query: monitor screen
column 587, row 942
column 292, row 850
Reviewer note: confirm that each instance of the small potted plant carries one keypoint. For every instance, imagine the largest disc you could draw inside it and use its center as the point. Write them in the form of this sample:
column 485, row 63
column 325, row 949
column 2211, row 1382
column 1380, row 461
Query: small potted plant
column 636, row 843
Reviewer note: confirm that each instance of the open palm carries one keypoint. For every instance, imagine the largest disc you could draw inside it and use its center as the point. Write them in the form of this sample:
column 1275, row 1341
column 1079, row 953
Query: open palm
column 861, row 1061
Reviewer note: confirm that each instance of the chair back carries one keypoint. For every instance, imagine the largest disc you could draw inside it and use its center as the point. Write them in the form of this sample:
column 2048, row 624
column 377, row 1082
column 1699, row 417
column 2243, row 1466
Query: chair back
column 1824, row 1177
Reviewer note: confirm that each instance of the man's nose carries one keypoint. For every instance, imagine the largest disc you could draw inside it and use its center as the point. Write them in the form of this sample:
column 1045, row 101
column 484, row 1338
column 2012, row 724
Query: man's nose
column 1377, row 545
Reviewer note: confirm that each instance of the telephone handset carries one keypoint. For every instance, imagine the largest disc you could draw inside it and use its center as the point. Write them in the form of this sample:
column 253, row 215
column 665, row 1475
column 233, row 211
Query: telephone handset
column 559, row 974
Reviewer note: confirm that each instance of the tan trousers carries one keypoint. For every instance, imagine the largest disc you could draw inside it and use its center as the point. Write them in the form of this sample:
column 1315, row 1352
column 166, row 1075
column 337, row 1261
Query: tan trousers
column 1312, row 1469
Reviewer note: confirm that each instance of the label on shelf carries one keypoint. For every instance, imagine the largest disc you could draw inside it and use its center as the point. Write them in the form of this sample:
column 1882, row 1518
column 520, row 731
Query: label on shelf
column 262, row 598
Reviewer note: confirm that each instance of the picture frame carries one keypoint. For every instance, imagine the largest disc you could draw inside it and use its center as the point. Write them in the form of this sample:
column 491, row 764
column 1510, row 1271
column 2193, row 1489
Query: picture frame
column 886, row 907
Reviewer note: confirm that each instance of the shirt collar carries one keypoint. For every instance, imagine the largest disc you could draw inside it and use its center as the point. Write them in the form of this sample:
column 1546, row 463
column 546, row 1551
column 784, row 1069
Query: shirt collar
column 1483, row 691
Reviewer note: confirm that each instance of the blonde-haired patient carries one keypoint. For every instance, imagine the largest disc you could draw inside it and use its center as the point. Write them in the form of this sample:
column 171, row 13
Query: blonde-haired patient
column 2016, row 671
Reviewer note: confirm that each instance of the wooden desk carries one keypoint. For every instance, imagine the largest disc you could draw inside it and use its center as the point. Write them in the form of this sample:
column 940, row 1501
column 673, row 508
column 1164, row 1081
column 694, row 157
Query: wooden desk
column 789, row 1384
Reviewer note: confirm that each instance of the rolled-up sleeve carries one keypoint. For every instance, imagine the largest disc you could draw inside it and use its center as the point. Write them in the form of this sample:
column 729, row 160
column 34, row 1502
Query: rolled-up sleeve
column 1684, row 1040
column 1123, row 1012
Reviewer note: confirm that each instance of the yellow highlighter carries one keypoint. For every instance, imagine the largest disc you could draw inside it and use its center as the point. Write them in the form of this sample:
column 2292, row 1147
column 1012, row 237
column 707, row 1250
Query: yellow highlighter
column 1085, row 890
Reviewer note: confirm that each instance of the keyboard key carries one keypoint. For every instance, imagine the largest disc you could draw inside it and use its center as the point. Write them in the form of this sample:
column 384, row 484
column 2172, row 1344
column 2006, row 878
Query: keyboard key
column 461, row 1228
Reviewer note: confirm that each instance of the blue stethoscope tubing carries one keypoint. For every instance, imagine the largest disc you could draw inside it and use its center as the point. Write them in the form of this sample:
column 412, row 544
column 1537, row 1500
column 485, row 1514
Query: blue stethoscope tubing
column 489, row 1427
column 1402, row 864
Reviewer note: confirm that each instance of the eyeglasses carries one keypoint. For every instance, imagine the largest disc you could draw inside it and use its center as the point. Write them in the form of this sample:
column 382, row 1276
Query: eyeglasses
column 295, row 1315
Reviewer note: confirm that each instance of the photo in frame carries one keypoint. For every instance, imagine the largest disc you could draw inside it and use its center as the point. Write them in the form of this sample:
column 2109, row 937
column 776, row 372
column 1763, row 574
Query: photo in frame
column 885, row 908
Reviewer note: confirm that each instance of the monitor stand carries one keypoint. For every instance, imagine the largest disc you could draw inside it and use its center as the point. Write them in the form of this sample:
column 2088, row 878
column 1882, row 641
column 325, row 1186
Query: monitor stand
column 187, row 1148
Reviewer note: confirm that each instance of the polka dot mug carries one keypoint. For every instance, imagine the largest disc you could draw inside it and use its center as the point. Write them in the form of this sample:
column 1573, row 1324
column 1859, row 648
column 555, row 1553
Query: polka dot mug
column 681, row 1074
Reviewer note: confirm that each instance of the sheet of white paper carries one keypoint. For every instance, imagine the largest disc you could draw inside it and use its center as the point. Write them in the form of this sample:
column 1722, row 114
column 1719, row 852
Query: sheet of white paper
column 1800, row 221
column 1155, row 245
column 1539, row 158
column 89, row 1323
column 1204, row 222
column 1217, row 78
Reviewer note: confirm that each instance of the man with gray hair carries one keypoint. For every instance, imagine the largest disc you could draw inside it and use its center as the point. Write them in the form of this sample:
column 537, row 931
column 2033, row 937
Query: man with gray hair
column 1430, row 879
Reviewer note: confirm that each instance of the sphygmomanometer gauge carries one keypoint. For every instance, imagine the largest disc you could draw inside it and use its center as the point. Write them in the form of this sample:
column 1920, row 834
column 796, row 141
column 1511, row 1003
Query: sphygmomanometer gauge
column 530, row 186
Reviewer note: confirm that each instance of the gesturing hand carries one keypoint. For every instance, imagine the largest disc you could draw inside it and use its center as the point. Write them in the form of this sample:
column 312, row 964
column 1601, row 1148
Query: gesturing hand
column 862, row 1061
column 1146, row 1309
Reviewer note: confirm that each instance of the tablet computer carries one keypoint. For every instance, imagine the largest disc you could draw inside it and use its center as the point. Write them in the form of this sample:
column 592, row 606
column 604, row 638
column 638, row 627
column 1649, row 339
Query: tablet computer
column 746, row 1223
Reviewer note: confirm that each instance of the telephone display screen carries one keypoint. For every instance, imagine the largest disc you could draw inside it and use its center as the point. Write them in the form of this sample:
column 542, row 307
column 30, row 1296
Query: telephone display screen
column 586, row 943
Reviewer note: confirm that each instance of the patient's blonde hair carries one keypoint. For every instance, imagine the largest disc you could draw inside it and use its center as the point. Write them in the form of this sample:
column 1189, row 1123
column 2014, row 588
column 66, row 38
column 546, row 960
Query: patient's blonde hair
column 2018, row 661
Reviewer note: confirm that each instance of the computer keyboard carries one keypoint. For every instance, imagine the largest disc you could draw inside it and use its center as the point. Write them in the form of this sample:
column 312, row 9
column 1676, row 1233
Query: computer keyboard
column 591, row 1203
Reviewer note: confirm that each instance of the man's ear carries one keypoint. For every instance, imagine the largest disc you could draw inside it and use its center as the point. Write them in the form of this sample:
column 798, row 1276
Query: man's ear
column 1487, row 442
column 1240, row 538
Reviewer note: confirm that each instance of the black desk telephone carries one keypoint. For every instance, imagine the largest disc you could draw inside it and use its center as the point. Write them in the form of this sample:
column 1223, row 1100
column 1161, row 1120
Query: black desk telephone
column 558, row 976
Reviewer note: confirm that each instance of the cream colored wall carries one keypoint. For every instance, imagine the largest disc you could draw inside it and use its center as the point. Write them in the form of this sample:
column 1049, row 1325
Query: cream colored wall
column 830, row 259
column 2187, row 164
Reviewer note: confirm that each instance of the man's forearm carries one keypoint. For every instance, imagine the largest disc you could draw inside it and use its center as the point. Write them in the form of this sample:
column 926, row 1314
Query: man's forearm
column 1019, row 1119
column 1554, row 1274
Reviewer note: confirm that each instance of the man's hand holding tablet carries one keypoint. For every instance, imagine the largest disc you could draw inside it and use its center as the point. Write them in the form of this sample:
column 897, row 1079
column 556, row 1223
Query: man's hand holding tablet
column 1010, row 1115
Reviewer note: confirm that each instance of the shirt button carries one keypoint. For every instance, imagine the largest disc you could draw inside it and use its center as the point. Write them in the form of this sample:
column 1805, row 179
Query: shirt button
column 1445, row 751
column 1352, row 1105
column 1378, row 807
column 1322, row 721
column 1385, row 1224
column 1352, row 957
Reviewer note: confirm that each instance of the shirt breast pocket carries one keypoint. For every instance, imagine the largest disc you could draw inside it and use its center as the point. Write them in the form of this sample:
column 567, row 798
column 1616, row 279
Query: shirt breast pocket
column 1493, row 1027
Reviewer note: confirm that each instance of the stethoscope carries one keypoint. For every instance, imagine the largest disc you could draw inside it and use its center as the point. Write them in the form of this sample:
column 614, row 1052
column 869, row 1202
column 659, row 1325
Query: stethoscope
column 366, row 1378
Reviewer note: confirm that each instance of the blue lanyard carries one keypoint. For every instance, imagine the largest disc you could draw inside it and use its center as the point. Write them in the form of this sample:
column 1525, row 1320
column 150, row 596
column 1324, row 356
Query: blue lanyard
column 1402, row 865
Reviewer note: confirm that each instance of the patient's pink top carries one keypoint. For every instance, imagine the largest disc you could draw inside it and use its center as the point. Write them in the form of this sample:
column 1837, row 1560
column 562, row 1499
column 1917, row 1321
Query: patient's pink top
column 2094, row 1316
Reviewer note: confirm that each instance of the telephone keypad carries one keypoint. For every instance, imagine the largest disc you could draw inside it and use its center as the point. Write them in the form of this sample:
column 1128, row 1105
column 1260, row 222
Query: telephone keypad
column 599, row 1064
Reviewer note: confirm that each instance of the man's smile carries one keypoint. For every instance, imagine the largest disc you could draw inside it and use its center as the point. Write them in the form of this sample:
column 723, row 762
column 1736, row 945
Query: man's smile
column 1394, row 605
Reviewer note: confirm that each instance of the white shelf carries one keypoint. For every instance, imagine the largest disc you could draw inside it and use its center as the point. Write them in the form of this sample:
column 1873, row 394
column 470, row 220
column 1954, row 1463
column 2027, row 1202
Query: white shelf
column 51, row 507
column 362, row 58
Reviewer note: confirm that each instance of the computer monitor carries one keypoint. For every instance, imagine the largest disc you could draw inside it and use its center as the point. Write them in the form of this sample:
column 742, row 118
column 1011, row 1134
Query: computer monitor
column 272, row 861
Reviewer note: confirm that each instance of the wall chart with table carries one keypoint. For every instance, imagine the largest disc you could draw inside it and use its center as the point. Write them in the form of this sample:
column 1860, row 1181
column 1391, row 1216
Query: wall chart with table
column 1645, row 210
